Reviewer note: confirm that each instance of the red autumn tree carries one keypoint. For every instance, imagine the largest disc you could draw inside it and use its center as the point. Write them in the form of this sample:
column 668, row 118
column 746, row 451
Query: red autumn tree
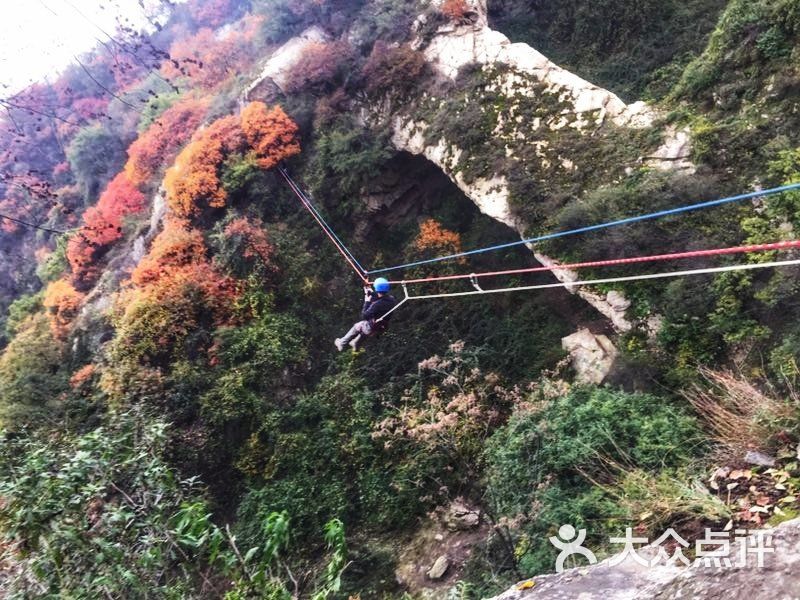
column 392, row 68
column 321, row 68
column 271, row 133
column 62, row 302
column 102, row 227
column 158, row 145
column 455, row 10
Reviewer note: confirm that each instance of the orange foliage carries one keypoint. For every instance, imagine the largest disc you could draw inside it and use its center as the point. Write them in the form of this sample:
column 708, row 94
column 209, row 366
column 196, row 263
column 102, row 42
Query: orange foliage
column 174, row 291
column 270, row 132
column 62, row 302
column 176, row 246
column 455, row 10
column 81, row 376
column 207, row 59
column 255, row 244
column 193, row 183
column 102, row 227
column 432, row 236
column 194, row 179
column 156, row 146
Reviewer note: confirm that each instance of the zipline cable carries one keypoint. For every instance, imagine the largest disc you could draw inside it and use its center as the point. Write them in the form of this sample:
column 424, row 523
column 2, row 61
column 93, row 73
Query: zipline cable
column 774, row 246
column 628, row 220
column 329, row 233
column 300, row 190
column 664, row 275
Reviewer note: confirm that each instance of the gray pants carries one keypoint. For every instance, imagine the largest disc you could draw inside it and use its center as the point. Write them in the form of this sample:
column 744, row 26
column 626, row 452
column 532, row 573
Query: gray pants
column 362, row 328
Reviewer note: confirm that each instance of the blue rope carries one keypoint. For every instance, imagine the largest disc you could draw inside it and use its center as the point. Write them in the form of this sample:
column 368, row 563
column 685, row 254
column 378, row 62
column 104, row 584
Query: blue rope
column 316, row 212
column 558, row 234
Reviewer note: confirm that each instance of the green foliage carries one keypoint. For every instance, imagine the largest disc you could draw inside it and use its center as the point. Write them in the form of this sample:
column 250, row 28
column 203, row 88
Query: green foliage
column 346, row 156
column 625, row 45
column 155, row 107
column 385, row 20
column 752, row 38
column 95, row 154
column 19, row 310
column 240, row 175
column 31, row 379
column 55, row 265
column 101, row 514
column 317, row 460
column 251, row 359
column 542, row 465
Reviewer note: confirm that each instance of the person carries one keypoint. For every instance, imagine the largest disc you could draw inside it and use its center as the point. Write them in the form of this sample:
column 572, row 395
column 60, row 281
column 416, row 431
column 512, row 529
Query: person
column 377, row 305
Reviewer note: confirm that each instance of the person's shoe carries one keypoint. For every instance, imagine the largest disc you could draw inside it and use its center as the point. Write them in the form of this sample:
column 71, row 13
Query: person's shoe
column 339, row 344
column 354, row 344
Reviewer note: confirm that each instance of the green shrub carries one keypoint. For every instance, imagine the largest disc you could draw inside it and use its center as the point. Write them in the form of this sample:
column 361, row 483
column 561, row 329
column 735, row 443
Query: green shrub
column 31, row 378
column 95, row 154
column 55, row 265
column 543, row 465
column 19, row 310
column 101, row 514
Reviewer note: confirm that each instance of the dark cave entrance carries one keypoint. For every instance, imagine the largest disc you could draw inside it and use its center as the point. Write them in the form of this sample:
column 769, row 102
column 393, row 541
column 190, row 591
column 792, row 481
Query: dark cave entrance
column 520, row 332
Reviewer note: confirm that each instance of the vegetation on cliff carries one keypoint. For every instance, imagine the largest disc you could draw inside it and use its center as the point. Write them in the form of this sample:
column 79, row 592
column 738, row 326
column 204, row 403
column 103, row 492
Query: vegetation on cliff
column 176, row 422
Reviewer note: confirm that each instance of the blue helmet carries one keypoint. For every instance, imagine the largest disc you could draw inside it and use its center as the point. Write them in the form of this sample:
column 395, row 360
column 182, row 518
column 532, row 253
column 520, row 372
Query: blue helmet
column 381, row 285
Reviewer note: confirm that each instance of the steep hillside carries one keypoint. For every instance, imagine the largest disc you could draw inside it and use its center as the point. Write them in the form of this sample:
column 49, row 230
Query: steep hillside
column 177, row 422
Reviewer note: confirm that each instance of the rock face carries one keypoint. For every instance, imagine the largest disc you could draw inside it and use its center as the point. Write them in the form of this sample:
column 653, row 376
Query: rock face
column 457, row 45
column 580, row 105
column 277, row 68
column 592, row 355
column 778, row 579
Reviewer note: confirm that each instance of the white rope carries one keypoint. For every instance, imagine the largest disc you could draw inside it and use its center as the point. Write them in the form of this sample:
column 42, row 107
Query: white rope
column 742, row 267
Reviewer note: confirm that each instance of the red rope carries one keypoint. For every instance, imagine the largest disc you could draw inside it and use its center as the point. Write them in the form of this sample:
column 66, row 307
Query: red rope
column 619, row 261
column 325, row 229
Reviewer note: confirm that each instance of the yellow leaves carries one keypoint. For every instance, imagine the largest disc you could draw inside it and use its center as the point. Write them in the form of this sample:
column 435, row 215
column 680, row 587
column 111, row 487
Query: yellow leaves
column 526, row 585
column 270, row 132
column 63, row 303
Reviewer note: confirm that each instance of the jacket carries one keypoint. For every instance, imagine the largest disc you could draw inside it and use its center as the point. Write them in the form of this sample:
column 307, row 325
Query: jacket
column 376, row 307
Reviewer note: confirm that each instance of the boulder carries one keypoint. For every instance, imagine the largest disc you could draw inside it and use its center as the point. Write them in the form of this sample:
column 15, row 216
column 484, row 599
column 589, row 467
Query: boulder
column 592, row 355
column 778, row 578
column 439, row 568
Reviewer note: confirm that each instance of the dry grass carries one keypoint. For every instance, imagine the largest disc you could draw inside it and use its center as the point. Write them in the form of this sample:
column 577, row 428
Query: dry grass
column 738, row 414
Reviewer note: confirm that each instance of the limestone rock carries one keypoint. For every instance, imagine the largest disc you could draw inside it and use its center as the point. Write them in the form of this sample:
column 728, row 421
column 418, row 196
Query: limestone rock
column 280, row 63
column 675, row 153
column 592, row 355
column 460, row 517
column 777, row 579
column 618, row 301
column 439, row 568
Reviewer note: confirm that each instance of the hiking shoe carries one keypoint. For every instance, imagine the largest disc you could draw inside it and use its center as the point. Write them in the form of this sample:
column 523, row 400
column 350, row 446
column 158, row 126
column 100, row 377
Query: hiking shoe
column 339, row 344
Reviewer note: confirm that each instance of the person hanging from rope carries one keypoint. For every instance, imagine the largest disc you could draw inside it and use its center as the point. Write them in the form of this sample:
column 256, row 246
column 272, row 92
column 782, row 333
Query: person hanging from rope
column 374, row 314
